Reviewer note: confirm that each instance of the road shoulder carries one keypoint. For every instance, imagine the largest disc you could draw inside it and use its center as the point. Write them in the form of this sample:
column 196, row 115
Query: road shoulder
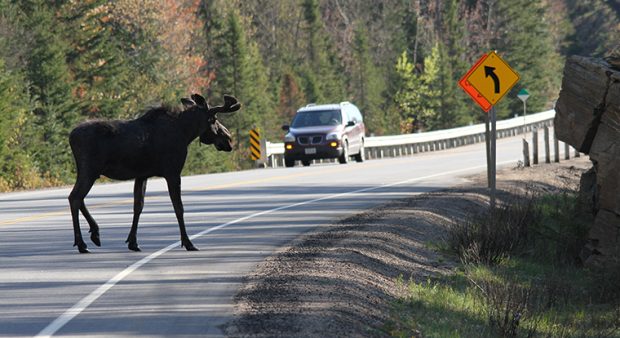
column 341, row 280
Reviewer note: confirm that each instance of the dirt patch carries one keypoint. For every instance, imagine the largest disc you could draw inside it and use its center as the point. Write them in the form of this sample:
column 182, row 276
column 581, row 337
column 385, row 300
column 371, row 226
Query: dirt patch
column 340, row 281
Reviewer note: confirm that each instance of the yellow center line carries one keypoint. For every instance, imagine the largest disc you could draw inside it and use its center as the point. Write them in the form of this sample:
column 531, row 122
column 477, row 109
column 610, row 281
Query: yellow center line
column 203, row 188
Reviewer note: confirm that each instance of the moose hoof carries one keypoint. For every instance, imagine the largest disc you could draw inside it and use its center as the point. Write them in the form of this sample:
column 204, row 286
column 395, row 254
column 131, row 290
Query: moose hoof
column 82, row 248
column 94, row 237
column 134, row 247
column 189, row 246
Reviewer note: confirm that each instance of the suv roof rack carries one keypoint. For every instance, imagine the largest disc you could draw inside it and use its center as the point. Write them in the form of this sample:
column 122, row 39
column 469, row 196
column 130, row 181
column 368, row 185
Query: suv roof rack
column 311, row 105
column 345, row 102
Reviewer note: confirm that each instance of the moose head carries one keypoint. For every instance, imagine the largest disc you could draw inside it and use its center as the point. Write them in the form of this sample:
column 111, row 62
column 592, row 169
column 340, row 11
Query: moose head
column 214, row 132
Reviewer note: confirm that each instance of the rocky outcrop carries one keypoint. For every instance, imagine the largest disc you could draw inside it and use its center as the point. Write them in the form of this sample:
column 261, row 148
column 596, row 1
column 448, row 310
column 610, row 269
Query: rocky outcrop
column 588, row 118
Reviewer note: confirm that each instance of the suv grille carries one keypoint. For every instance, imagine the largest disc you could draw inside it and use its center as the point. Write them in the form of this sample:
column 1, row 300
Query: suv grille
column 316, row 139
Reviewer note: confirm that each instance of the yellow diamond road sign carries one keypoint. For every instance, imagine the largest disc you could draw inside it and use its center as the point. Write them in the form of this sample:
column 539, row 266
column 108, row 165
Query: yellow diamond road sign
column 493, row 78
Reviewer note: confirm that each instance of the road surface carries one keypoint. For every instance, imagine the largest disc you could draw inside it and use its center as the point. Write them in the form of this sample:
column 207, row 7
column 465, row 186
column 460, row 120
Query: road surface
column 236, row 219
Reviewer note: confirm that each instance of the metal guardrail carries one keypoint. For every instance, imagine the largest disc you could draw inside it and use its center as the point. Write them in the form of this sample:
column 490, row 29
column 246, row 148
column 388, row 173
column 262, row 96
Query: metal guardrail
column 409, row 144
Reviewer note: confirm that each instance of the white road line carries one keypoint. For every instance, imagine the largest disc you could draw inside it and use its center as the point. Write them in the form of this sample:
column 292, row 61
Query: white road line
column 85, row 302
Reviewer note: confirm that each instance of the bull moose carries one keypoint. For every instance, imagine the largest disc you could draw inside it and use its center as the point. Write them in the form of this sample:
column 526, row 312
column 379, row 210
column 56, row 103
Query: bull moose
column 154, row 144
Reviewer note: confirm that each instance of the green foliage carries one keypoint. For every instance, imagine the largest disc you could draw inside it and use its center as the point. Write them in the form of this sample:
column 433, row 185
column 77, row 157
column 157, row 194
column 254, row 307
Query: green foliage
column 596, row 27
column 67, row 61
column 537, row 290
column 241, row 73
column 15, row 166
column 50, row 87
column 525, row 46
column 418, row 97
column 366, row 83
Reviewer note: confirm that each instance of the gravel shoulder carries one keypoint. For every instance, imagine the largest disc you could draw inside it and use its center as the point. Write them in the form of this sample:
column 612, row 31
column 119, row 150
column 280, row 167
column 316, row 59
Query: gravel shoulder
column 340, row 281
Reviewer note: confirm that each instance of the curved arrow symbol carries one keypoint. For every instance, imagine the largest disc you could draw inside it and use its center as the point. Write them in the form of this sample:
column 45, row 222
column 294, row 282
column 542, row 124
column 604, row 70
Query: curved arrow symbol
column 490, row 71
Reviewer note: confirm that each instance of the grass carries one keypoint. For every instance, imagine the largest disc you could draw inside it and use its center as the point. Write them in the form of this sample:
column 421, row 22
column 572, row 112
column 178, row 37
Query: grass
column 530, row 286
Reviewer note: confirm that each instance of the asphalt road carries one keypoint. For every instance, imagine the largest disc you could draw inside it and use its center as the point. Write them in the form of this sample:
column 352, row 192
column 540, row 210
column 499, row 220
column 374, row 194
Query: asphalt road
column 236, row 219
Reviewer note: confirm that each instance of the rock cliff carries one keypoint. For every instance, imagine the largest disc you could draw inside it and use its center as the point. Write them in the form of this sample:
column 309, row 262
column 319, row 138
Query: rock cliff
column 588, row 118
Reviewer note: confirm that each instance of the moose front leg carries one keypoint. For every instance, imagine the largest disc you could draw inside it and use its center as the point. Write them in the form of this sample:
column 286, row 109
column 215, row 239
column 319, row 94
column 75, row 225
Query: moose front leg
column 174, row 189
column 139, row 189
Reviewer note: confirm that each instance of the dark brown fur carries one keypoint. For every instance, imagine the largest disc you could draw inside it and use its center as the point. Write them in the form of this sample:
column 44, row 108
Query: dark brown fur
column 154, row 144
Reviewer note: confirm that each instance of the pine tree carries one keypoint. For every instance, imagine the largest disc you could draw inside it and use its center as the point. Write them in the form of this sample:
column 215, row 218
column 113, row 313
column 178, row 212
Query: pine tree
column 15, row 168
column 418, row 100
column 452, row 62
column 241, row 73
column 367, row 83
column 596, row 27
column 291, row 97
column 321, row 68
column 102, row 73
column 524, row 42
column 50, row 79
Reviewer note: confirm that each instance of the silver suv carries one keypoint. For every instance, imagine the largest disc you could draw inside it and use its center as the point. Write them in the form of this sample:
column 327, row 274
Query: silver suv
column 325, row 131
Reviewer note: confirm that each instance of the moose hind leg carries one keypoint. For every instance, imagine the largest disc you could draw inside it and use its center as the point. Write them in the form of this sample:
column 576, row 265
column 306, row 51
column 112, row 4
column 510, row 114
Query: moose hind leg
column 139, row 189
column 76, row 200
column 94, row 228
column 174, row 189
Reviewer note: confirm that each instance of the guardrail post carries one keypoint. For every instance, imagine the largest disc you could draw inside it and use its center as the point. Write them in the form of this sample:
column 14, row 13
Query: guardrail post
column 547, row 150
column 577, row 153
column 566, row 152
column 526, row 154
column 535, row 146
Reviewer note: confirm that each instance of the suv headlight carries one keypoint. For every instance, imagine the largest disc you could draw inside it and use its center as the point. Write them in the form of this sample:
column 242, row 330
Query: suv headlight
column 332, row 136
column 289, row 138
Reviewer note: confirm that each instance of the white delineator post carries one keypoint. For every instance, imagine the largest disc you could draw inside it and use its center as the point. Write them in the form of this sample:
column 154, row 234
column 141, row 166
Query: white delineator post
column 523, row 96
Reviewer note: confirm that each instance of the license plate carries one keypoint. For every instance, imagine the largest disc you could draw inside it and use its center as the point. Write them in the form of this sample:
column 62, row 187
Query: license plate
column 310, row 151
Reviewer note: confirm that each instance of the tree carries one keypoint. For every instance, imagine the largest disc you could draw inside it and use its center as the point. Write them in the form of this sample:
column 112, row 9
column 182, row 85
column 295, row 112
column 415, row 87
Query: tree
column 241, row 73
column 101, row 71
column 321, row 66
column 291, row 97
column 418, row 100
column 49, row 76
column 452, row 63
column 596, row 27
column 524, row 42
column 367, row 83
column 15, row 168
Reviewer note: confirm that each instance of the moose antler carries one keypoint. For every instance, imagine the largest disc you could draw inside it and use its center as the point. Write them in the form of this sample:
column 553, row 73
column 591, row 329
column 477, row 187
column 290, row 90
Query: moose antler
column 230, row 105
column 200, row 101
column 187, row 103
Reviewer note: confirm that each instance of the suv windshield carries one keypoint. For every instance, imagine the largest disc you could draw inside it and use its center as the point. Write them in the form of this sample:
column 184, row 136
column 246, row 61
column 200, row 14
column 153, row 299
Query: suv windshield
column 317, row 118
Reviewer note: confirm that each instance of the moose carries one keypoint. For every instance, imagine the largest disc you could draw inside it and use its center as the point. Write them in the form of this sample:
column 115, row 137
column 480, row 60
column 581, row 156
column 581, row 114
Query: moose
column 154, row 144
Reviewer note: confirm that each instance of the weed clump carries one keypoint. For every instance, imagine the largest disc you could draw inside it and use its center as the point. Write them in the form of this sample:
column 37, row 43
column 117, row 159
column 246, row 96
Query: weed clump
column 492, row 235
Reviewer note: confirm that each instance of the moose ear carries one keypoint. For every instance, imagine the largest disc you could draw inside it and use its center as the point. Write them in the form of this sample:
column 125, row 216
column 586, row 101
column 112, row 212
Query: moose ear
column 200, row 100
column 187, row 103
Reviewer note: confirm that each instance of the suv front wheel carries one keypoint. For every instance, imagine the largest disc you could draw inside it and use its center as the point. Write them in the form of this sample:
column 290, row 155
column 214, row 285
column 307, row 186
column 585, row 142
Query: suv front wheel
column 344, row 158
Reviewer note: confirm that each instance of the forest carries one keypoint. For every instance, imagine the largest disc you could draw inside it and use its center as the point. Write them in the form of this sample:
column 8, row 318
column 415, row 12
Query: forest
column 399, row 61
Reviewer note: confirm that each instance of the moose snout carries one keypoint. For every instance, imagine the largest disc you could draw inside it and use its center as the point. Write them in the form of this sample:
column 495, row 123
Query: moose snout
column 223, row 144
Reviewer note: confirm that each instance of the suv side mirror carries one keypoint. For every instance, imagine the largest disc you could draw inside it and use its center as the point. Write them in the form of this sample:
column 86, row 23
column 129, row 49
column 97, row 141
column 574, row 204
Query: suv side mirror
column 286, row 127
column 350, row 123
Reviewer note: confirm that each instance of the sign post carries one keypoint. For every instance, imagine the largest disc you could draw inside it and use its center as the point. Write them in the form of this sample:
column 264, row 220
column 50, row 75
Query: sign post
column 493, row 162
column 523, row 96
column 486, row 82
